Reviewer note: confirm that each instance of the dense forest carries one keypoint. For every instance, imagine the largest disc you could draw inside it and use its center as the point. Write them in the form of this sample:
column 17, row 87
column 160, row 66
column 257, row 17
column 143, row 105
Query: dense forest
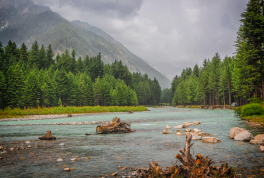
column 35, row 77
column 232, row 79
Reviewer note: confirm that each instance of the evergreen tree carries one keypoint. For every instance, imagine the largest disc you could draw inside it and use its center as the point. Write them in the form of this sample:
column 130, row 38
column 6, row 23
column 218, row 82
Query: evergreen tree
column 24, row 53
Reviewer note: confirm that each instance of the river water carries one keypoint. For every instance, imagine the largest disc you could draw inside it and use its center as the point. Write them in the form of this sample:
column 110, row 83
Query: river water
column 137, row 149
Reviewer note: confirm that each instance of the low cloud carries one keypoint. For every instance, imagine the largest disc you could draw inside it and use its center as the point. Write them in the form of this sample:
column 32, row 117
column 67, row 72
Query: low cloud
column 179, row 33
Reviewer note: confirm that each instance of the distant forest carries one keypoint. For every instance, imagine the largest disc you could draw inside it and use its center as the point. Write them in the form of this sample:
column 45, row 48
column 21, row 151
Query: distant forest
column 234, row 79
column 35, row 77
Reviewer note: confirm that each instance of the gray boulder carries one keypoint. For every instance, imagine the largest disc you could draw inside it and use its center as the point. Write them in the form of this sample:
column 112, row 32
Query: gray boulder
column 244, row 136
column 235, row 131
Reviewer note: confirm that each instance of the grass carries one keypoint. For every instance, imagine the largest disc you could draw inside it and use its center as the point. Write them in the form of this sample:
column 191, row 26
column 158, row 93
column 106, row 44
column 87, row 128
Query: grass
column 17, row 112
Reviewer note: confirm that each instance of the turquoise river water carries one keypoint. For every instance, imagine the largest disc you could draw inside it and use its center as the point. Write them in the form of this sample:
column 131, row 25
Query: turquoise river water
column 137, row 149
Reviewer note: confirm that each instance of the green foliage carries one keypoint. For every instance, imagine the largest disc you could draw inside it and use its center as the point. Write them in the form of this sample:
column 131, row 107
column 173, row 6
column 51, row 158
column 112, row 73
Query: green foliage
column 252, row 109
column 255, row 100
column 39, row 80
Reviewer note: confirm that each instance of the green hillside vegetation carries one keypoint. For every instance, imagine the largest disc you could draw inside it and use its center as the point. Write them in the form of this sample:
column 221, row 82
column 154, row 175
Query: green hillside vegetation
column 48, row 27
column 34, row 78
column 232, row 79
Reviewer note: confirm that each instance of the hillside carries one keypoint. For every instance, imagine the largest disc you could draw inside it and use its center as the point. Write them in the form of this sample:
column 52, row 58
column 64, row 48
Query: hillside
column 23, row 21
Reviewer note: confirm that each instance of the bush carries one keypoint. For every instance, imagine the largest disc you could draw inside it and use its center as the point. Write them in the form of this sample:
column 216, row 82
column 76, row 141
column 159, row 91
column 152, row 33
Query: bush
column 251, row 110
column 238, row 111
column 255, row 100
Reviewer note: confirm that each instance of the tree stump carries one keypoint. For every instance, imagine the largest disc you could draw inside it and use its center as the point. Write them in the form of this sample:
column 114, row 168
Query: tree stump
column 116, row 126
column 48, row 136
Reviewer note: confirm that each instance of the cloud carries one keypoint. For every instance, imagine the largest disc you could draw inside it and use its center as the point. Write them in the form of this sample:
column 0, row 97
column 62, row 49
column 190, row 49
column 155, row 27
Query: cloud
column 112, row 8
column 165, row 33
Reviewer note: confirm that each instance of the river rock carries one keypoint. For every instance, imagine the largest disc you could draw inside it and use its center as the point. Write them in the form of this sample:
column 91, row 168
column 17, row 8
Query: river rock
column 165, row 132
column 185, row 124
column 235, row 131
column 61, row 144
column 27, row 142
column 60, row 160
column 204, row 134
column 259, row 139
column 1, row 147
column 261, row 148
column 114, row 174
column 178, row 127
column 196, row 137
column 244, row 136
column 73, row 159
column 179, row 133
column 188, row 130
column 168, row 127
column 196, row 123
column 210, row 140
column 29, row 146
column 196, row 130
column 67, row 169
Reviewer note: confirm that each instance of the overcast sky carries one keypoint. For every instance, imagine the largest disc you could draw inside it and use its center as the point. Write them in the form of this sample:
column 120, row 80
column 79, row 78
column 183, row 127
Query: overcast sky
column 169, row 34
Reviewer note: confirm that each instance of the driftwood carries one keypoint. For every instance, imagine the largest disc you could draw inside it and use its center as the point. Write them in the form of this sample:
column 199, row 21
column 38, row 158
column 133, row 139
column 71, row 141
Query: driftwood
column 48, row 136
column 191, row 167
column 116, row 126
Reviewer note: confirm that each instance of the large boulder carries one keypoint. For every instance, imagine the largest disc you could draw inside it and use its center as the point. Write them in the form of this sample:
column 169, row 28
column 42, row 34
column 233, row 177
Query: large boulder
column 235, row 131
column 186, row 124
column 178, row 126
column 244, row 136
column 210, row 140
column 259, row 139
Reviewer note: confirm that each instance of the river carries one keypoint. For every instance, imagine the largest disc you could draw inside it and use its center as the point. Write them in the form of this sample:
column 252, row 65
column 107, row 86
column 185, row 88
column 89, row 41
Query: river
column 107, row 152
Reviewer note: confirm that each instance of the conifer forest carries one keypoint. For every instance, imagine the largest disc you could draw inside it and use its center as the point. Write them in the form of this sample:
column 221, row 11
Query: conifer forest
column 36, row 77
column 221, row 81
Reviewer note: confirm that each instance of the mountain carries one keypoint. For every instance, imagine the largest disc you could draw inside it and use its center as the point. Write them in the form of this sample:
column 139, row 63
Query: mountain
column 23, row 21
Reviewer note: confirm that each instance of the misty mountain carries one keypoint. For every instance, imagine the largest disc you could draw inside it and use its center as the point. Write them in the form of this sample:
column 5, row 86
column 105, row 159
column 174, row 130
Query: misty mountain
column 23, row 21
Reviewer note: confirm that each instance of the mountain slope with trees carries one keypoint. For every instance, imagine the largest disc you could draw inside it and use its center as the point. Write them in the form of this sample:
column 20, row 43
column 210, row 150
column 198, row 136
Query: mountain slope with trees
column 28, row 22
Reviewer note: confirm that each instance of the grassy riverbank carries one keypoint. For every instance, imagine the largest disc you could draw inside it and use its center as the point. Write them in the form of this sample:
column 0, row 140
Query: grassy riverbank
column 17, row 112
column 253, row 112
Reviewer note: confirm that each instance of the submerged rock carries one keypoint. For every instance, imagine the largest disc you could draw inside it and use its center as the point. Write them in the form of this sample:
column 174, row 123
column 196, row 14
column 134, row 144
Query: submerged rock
column 235, row 131
column 27, row 142
column 210, row 140
column 196, row 123
column 244, row 136
column 61, row 144
column 168, row 127
column 73, row 159
column 165, row 132
column 258, row 139
column 179, row 133
column 60, row 160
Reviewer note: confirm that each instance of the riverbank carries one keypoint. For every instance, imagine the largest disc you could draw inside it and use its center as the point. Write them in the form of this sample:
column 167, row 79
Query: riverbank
column 59, row 112
column 227, row 107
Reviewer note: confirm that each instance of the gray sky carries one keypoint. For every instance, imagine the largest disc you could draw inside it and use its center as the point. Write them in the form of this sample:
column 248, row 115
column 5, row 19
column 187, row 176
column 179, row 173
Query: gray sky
column 168, row 34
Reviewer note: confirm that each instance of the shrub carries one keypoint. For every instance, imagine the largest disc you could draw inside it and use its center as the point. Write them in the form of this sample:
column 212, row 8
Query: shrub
column 255, row 100
column 237, row 111
column 251, row 110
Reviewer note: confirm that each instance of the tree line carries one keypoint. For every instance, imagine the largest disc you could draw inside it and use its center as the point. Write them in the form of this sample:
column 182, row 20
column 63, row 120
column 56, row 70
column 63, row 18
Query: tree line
column 35, row 77
column 232, row 79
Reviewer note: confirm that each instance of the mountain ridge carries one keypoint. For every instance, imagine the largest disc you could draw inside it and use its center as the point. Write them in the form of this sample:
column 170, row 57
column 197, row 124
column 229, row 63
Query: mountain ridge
column 39, row 23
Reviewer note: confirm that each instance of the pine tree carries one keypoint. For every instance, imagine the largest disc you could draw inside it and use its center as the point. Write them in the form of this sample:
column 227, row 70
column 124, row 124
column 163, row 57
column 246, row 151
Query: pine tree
column 24, row 53
column 34, row 55
column 2, row 90
column 49, row 56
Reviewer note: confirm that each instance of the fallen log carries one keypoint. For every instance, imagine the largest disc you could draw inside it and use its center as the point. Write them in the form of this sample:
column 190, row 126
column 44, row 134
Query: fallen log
column 199, row 167
column 116, row 126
